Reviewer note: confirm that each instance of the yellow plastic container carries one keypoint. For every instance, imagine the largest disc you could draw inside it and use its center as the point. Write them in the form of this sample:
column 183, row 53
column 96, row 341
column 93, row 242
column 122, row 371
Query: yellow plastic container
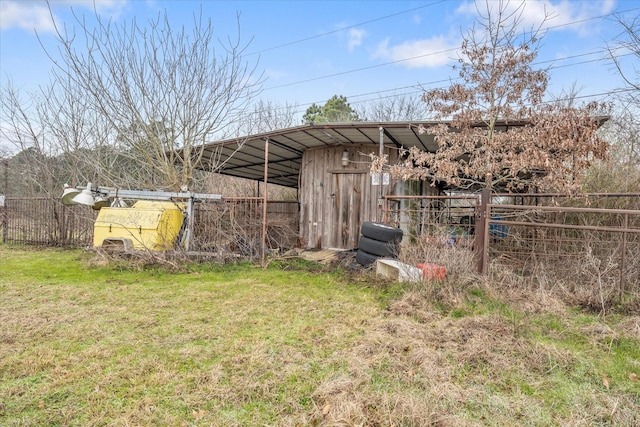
column 147, row 225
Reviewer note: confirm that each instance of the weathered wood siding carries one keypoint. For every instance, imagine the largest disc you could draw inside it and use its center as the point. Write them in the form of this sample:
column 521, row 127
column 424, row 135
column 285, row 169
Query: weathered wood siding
column 336, row 199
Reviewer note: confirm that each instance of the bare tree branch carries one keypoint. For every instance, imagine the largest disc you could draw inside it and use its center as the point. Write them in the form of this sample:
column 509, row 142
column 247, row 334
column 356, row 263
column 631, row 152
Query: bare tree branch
column 164, row 92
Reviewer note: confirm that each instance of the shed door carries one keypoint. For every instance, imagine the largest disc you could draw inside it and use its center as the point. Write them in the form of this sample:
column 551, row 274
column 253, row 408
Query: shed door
column 346, row 209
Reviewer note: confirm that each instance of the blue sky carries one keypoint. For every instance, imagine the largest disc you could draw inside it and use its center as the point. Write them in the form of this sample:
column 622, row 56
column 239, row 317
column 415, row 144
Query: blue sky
column 312, row 50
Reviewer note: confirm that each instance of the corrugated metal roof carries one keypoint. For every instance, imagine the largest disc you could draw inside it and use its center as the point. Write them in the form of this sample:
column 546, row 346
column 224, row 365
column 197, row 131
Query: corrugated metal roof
column 244, row 156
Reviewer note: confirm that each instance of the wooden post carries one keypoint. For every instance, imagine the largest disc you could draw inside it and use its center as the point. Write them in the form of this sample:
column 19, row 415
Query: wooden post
column 264, row 201
column 485, row 217
column 482, row 231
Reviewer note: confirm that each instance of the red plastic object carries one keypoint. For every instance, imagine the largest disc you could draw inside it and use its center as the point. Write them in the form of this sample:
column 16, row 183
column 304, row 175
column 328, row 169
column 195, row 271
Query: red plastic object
column 432, row 271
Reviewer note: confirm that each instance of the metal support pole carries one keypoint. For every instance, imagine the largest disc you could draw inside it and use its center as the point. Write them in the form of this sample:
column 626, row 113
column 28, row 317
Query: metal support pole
column 622, row 257
column 5, row 210
column 5, row 190
column 264, row 200
column 190, row 221
column 381, row 181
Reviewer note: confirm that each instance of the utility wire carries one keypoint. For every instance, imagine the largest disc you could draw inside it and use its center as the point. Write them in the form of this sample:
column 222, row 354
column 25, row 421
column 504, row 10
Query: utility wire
column 382, row 18
column 311, row 79
column 418, row 86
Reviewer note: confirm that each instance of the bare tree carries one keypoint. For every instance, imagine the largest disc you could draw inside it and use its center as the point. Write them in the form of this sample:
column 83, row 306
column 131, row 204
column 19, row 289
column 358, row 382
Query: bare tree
column 624, row 132
column 401, row 107
column 497, row 130
column 630, row 44
column 163, row 92
column 75, row 133
column 621, row 172
column 625, row 127
column 265, row 116
column 33, row 170
column 57, row 138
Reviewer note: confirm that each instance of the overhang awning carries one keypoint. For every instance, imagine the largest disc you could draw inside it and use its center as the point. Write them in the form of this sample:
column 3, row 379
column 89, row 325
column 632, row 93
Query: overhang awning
column 244, row 156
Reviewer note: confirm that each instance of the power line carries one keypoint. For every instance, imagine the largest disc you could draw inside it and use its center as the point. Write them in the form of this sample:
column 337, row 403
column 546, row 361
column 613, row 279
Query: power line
column 572, row 97
column 417, row 87
column 449, row 80
column 419, row 90
column 357, row 70
column 382, row 18
column 311, row 79
column 409, row 59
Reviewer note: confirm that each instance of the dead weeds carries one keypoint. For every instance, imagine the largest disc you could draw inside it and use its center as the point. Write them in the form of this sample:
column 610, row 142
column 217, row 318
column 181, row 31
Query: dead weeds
column 420, row 366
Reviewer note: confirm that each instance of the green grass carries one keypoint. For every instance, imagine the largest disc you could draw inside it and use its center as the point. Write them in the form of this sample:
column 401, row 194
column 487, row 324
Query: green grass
column 83, row 343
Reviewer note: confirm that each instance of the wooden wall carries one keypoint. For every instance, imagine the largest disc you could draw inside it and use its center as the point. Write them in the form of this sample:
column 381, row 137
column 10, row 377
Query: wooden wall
column 334, row 199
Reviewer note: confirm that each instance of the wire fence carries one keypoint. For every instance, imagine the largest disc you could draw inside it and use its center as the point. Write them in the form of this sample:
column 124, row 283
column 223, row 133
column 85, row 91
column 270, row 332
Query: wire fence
column 593, row 239
column 235, row 225
column 588, row 245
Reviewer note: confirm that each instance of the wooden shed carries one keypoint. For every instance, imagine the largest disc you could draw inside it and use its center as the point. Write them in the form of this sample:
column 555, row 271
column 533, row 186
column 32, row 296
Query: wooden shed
column 336, row 196
column 330, row 165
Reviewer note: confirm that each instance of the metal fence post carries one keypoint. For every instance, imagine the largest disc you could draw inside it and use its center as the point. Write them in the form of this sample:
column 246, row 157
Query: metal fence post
column 623, row 256
column 5, row 221
column 5, row 209
column 265, row 197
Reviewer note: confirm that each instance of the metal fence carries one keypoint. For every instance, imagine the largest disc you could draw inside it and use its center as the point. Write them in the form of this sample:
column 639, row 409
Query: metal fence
column 235, row 225
column 43, row 221
column 231, row 225
column 584, row 244
column 452, row 217
column 587, row 238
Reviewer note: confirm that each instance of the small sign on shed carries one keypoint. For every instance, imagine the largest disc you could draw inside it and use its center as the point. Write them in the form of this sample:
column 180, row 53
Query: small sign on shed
column 375, row 179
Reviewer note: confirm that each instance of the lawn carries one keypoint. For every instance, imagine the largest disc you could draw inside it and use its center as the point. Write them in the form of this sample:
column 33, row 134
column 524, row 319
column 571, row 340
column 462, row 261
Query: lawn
column 88, row 343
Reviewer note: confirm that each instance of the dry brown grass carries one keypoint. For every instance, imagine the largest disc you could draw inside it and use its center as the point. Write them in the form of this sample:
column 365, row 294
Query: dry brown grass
column 417, row 368
column 471, row 350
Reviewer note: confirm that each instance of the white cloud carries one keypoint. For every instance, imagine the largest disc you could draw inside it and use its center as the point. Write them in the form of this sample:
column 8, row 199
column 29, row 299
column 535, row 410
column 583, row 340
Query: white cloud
column 567, row 15
column 106, row 7
column 275, row 74
column 25, row 15
column 559, row 15
column 32, row 15
column 426, row 53
column 355, row 38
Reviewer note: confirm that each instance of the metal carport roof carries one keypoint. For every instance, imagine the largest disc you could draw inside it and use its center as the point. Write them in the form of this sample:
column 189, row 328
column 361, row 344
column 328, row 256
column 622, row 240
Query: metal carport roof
column 244, row 156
